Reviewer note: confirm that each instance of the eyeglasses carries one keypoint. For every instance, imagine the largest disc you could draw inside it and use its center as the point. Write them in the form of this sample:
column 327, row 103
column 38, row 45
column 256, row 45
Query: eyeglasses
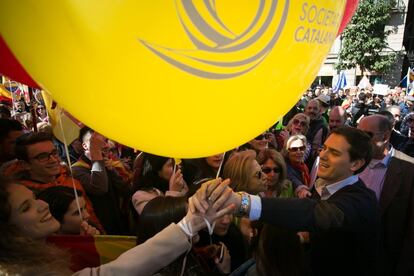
column 44, row 156
column 295, row 149
column 267, row 170
column 298, row 122
column 258, row 174
column 410, row 120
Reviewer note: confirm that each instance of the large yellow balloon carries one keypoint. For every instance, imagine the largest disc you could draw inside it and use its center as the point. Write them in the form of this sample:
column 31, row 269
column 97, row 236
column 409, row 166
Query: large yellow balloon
column 182, row 78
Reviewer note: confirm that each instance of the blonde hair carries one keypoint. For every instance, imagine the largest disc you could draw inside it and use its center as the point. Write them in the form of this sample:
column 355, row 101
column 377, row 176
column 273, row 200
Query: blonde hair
column 289, row 141
column 297, row 117
column 238, row 169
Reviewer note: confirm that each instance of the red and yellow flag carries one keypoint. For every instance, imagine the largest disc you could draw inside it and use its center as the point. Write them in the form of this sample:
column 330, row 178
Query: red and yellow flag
column 92, row 251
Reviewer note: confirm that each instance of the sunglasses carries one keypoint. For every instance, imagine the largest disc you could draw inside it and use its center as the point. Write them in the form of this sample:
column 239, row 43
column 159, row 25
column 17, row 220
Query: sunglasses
column 298, row 122
column 267, row 170
column 261, row 137
column 295, row 149
column 258, row 174
column 410, row 120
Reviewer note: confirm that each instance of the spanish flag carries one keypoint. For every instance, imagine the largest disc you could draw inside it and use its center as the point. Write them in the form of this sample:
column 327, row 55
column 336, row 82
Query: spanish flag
column 92, row 251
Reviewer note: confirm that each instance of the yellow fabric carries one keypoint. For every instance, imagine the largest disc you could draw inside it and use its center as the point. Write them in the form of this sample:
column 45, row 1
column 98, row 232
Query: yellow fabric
column 59, row 119
column 4, row 92
column 110, row 247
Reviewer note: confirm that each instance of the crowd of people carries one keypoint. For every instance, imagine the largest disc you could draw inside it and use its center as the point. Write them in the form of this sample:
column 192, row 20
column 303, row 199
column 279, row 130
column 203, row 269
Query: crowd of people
column 328, row 190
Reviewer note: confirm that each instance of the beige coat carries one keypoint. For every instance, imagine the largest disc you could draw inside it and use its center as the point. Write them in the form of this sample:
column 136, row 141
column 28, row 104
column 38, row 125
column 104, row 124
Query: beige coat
column 147, row 258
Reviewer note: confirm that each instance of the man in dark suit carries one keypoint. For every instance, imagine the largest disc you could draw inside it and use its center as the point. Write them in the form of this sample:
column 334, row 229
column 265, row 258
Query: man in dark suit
column 342, row 216
column 390, row 175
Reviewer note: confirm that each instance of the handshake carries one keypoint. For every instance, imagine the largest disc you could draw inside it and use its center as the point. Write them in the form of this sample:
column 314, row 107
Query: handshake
column 213, row 200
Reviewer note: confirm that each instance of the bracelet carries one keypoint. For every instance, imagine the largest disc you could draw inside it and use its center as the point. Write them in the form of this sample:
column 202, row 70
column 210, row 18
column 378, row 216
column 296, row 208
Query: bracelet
column 244, row 208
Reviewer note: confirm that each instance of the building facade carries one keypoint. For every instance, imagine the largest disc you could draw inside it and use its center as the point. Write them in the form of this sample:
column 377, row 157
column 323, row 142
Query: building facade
column 400, row 41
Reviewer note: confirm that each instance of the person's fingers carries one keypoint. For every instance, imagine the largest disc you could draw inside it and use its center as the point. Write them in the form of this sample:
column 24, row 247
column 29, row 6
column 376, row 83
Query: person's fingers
column 222, row 199
column 218, row 191
column 199, row 206
column 211, row 185
column 202, row 196
column 227, row 210
column 191, row 206
column 201, row 192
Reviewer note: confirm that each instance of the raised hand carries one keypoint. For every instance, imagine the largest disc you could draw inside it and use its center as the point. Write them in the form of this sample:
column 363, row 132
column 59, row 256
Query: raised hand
column 224, row 264
column 177, row 182
column 97, row 145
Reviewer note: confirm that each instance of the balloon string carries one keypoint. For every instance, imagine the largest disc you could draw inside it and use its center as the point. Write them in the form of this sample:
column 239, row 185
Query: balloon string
column 221, row 165
column 70, row 165
column 173, row 174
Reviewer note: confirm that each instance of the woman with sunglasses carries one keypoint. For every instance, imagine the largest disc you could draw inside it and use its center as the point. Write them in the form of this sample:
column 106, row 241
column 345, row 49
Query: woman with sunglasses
column 299, row 124
column 41, row 113
column 245, row 173
column 297, row 171
column 261, row 142
column 274, row 167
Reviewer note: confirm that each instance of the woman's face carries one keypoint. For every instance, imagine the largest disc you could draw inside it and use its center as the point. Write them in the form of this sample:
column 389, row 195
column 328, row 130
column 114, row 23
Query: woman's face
column 257, row 179
column 298, row 126
column 296, row 151
column 272, row 172
column 30, row 215
column 223, row 224
column 71, row 222
column 214, row 161
column 167, row 170
column 41, row 111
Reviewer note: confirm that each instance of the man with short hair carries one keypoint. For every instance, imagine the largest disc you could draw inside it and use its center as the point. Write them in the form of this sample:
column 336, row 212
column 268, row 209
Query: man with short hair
column 390, row 175
column 396, row 113
column 397, row 139
column 40, row 167
column 104, row 186
column 318, row 129
column 10, row 130
column 341, row 216
column 337, row 117
column 324, row 103
column 360, row 109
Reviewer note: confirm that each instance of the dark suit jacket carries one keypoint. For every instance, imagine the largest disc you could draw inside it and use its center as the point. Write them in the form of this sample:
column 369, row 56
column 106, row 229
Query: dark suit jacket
column 344, row 229
column 397, row 213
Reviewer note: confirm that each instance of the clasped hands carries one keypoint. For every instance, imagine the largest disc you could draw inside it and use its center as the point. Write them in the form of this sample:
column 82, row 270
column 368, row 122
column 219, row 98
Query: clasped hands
column 213, row 200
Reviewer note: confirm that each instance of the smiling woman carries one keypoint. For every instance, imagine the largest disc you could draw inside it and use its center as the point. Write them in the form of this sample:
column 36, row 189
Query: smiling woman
column 294, row 152
column 23, row 218
column 26, row 221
